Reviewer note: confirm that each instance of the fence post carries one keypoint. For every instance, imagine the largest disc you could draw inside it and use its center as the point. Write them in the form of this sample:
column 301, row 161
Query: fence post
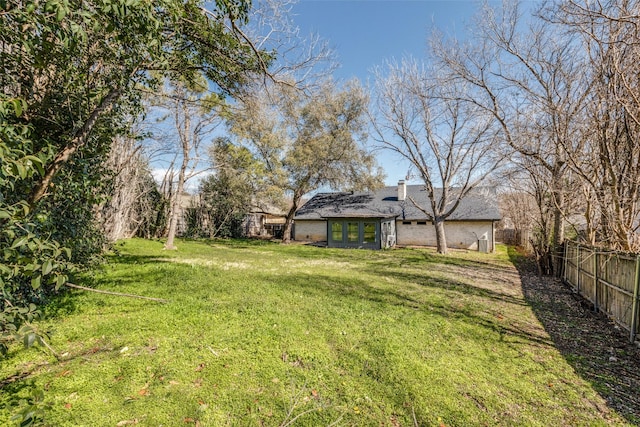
column 634, row 309
column 578, row 268
column 565, row 260
column 596, row 278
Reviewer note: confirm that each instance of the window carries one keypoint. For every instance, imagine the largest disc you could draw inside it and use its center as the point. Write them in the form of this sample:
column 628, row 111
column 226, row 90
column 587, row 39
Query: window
column 406, row 222
column 356, row 232
column 369, row 232
column 336, row 231
column 353, row 232
column 422, row 222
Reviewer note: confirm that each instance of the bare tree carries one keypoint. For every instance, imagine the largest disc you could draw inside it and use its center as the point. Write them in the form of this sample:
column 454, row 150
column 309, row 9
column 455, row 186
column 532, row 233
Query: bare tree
column 187, row 110
column 528, row 200
column 529, row 77
column 129, row 204
column 608, row 159
column 302, row 61
column 450, row 142
column 187, row 118
column 517, row 205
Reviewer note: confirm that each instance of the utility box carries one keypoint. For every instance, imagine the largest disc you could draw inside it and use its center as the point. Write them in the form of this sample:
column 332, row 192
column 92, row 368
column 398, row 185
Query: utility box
column 483, row 246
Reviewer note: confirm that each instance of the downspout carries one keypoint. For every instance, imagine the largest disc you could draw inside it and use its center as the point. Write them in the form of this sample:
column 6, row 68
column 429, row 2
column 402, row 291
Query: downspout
column 326, row 221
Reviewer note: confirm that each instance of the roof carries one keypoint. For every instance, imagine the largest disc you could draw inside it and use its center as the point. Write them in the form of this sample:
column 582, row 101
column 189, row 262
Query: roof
column 479, row 205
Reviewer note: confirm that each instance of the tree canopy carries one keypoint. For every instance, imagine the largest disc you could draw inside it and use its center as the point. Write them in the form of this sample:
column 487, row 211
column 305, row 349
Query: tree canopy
column 72, row 73
column 308, row 141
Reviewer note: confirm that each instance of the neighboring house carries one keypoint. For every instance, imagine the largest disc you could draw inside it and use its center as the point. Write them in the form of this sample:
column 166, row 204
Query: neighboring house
column 266, row 220
column 185, row 201
column 263, row 224
column 384, row 218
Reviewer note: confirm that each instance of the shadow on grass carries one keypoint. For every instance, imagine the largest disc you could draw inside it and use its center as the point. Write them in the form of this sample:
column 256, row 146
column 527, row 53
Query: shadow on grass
column 128, row 259
column 444, row 299
column 12, row 388
column 459, row 289
column 425, row 280
column 235, row 243
column 437, row 300
column 62, row 304
column 118, row 260
column 65, row 302
column 389, row 266
column 598, row 351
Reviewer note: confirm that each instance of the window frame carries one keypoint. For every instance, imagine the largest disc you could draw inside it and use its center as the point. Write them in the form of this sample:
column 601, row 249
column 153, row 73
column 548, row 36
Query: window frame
column 354, row 232
column 333, row 232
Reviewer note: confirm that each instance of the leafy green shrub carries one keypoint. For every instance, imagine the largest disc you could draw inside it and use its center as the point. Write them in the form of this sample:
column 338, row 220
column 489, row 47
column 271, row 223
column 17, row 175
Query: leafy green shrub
column 33, row 263
column 31, row 410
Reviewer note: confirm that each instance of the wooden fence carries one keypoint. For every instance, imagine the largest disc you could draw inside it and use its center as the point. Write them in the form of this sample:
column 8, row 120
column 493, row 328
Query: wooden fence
column 513, row 237
column 610, row 280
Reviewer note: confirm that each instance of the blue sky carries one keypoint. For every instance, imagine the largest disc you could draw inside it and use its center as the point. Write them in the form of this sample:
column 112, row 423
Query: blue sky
column 365, row 33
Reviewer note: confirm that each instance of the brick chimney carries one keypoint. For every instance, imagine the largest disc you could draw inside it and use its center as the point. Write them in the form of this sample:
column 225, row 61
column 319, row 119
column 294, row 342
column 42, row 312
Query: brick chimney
column 402, row 190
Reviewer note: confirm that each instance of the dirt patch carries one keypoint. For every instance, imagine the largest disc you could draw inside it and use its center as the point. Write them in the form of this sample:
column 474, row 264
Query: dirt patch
column 598, row 350
column 503, row 280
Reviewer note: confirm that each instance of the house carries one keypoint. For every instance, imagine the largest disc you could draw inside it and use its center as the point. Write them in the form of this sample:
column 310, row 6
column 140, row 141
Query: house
column 266, row 219
column 387, row 217
column 185, row 202
column 264, row 224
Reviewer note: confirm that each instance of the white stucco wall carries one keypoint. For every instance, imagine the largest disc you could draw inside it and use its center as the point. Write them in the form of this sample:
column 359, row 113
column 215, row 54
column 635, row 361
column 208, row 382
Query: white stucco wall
column 460, row 234
column 311, row 231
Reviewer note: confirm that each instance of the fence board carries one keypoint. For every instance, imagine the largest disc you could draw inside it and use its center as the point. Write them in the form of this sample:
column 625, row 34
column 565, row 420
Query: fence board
column 610, row 280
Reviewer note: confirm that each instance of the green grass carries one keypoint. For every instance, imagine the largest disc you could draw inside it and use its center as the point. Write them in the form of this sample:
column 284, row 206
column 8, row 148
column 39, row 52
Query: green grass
column 263, row 334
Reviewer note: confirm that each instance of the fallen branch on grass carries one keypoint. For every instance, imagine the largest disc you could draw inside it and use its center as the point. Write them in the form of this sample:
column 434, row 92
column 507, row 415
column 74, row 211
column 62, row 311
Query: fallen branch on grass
column 120, row 294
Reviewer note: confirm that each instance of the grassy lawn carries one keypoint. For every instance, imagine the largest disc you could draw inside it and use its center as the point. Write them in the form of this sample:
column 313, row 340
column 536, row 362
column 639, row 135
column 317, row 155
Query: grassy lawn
column 257, row 333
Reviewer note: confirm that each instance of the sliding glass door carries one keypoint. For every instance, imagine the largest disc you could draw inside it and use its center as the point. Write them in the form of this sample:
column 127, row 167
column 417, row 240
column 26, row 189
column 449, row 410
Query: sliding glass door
column 354, row 233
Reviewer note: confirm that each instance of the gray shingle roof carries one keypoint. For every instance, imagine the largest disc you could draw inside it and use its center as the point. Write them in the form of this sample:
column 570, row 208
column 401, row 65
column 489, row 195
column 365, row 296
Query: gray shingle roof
column 480, row 204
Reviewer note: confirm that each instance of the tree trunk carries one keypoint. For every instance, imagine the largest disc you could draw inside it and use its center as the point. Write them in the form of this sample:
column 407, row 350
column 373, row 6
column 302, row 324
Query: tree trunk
column 79, row 140
column 441, row 238
column 175, row 200
column 175, row 205
column 288, row 223
column 558, row 240
column 558, row 223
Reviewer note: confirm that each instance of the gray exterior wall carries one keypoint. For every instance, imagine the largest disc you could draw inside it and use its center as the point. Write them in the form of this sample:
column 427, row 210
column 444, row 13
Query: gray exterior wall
column 460, row 234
